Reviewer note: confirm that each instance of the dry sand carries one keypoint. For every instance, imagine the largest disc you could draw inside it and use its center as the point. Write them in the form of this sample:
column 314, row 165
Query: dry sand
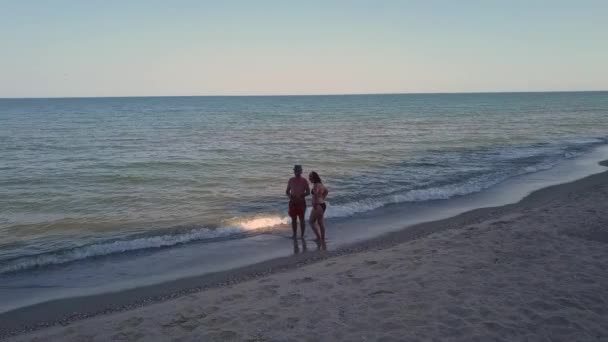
column 534, row 271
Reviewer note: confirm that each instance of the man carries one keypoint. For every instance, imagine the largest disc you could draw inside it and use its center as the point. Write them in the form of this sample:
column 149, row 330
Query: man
column 297, row 190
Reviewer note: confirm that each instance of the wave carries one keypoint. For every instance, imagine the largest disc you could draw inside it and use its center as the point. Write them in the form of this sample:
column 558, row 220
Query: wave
column 235, row 227
column 442, row 192
column 114, row 247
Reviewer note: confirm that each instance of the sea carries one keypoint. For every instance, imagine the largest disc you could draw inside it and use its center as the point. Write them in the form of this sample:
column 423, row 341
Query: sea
column 89, row 178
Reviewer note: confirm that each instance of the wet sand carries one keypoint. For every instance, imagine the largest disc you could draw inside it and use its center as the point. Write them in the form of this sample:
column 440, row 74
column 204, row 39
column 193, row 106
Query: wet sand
column 534, row 270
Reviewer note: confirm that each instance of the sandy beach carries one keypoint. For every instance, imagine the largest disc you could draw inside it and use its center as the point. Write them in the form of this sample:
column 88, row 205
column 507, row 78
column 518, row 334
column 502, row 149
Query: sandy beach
column 533, row 271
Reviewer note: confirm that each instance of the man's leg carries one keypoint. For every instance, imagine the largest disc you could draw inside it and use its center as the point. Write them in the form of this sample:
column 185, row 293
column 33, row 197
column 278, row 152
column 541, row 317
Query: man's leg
column 294, row 226
column 302, row 225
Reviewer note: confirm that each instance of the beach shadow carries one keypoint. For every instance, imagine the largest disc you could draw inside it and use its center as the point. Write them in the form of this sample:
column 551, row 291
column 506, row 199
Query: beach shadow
column 321, row 245
column 300, row 246
column 296, row 246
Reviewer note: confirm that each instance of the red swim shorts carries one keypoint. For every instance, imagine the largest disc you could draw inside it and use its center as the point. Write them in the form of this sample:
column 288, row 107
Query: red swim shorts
column 297, row 209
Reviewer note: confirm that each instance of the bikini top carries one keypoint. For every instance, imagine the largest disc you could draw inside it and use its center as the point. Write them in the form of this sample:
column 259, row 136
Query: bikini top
column 320, row 199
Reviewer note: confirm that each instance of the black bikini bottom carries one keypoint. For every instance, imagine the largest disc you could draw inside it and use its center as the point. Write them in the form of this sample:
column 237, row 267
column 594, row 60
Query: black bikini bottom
column 322, row 205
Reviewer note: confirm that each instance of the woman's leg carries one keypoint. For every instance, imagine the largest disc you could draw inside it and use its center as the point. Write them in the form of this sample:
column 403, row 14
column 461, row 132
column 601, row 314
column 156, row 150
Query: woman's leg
column 321, row 221
column 312, row 220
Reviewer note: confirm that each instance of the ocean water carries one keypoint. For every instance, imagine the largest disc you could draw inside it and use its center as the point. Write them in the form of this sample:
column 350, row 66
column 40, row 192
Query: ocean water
column 81, row 178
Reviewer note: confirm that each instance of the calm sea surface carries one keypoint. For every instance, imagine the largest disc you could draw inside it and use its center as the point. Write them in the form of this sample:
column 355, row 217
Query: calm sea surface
column 98, row 176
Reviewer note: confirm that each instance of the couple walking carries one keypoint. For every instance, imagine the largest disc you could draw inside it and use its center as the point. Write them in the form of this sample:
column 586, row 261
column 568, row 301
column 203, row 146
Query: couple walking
column 297, row 190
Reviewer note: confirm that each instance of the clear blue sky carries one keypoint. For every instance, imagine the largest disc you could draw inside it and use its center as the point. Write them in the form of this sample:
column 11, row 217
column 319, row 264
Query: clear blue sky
column 122, row 48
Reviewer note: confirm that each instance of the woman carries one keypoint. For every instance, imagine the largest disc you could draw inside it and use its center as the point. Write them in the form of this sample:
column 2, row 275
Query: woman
column 319, row 193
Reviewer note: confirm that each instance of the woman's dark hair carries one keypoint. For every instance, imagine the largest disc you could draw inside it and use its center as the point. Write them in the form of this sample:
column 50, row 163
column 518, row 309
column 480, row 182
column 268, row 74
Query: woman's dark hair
column 315, row 177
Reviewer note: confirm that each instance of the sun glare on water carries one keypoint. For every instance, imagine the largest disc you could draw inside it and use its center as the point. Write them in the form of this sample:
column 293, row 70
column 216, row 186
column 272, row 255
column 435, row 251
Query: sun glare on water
column 260, row 222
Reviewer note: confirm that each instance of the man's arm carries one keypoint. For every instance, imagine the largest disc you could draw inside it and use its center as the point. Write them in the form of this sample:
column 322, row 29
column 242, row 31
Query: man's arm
column 307, row 190
column 288, row 190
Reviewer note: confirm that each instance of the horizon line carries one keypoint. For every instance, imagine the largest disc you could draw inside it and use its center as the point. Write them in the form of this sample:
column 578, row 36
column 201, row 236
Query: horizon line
column 303, row 95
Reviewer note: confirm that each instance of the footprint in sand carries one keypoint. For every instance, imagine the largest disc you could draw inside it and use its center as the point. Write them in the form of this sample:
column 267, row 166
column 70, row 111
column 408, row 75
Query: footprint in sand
column 179, row 319
column 265, row 280
column 268, row 291
column 378, row 305
column 186, row 323
column 212, row 309
column 70, row 331
column 375, row 265
column 130, row 323
column 261, row 316
column 292, row 322
column 500, row 223
column 459, row 311
column 223, row 335
column 290, row 299
column 453, row 293
column 542, row 305
column 327, row 286
column 380, row 292
column 493, row 326
column 569, row 304
column 232, row 297
column 557, row 321
column 388, row 313
column 128, row 336
column 389, row 326
column 348, row 278
column 303, row 280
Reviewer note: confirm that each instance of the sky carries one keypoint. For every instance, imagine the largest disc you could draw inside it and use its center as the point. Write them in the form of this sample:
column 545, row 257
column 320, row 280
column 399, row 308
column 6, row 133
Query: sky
column 61, row 48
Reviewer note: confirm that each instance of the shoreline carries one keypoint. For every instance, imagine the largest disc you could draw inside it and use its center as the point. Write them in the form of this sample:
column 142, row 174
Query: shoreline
column 66, row 311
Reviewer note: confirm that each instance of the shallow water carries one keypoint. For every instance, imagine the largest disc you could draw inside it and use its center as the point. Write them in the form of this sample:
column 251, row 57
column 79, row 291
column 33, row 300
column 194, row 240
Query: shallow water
column 88, row 177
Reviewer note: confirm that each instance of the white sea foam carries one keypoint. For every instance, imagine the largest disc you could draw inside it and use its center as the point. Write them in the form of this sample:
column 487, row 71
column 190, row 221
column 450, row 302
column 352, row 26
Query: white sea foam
column 113, row 247
column 417, row 195
column 444, row 192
